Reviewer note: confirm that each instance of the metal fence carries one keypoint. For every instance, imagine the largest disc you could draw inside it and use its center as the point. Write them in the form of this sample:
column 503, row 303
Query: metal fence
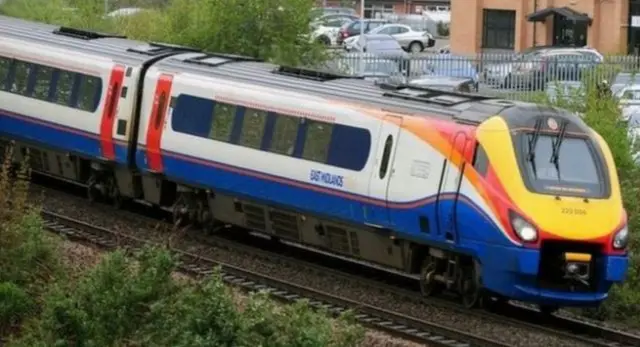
column 505, row 75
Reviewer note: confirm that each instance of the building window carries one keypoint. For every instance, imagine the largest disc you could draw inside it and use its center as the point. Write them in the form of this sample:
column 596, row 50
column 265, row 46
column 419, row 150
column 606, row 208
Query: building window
column 499, row 27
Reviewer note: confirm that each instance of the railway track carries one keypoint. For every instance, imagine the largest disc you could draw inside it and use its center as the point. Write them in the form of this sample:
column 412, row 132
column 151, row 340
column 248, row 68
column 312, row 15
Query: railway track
column 392, row 323
column 514, row 314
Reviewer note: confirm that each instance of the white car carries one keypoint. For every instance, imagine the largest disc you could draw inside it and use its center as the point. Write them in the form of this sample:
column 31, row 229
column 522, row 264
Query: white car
column 410, row 40
column 326, row 32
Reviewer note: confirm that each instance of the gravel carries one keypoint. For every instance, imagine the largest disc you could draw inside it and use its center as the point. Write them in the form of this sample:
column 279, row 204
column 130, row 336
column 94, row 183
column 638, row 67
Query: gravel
column 141, row 227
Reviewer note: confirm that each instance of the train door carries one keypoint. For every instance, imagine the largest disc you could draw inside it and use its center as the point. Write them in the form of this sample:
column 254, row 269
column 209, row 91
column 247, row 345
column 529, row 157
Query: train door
column 109, row 112
column 448, row 195
column 376, row 212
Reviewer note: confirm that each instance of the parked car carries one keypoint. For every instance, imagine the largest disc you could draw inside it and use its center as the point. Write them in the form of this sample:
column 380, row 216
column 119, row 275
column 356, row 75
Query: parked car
column 410, row 40
column 628, row 100
column 353, row 28
column 383, row 47
column 455, row 84
column 536, row 67
column 325, row 30
column 448, row 65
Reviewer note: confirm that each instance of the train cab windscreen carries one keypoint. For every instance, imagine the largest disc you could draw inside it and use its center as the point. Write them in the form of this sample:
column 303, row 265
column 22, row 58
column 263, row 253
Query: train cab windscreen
column 559, row 165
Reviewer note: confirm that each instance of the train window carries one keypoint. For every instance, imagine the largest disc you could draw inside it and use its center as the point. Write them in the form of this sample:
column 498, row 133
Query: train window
column 5, row 65
column 191, row 115
column 481, row 161
column 253, row 128
column 64, row 87
column 223, row 116
column 386, row 156
column 89, row 86
column 21, row 77
column 357, row 140
column 316, row 143
column 43, row 81
column 285, row 132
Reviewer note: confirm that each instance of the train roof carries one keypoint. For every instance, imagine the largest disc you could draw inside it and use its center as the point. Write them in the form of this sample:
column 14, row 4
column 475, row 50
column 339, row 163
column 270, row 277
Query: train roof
column 116, row 47
column 467, row 108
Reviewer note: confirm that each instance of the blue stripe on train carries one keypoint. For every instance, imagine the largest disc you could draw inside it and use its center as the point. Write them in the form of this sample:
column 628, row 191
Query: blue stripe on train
column 56, row 136
column 303, row 196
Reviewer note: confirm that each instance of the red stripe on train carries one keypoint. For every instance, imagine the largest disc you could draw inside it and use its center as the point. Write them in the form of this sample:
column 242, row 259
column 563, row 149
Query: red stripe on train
column 109, row 112
column 161, row 101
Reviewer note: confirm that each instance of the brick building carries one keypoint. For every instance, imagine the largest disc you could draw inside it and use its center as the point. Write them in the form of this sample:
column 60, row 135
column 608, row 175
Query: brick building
column 611, row 26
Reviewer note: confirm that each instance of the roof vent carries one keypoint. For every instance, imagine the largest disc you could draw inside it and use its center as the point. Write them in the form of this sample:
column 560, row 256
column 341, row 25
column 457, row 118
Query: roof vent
column 85, row 34
column 311, row 74
column 157, row 48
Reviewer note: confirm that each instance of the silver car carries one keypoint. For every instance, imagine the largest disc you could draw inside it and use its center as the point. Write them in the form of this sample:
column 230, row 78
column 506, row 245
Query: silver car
column 411, row 40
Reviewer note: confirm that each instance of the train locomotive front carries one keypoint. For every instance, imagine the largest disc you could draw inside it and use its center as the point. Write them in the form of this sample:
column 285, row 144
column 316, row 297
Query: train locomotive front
column 552, row 181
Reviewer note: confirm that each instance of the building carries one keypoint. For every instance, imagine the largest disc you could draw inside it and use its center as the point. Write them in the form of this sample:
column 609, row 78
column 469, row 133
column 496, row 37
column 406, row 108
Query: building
column 611, row 26
column 376, row 8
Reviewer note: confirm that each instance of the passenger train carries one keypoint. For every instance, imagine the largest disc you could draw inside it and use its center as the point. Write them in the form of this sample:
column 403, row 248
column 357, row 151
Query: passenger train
column 467, row 193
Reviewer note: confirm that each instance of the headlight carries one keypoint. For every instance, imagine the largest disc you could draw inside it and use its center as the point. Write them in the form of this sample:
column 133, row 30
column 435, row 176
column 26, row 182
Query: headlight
column 524, row 229
column 621, row 239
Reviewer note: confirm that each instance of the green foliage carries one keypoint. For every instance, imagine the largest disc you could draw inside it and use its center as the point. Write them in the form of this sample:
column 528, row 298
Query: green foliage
column 15, row 304
column 122, row 302
column 28, row 261
column 443, row 29
column 267, row 29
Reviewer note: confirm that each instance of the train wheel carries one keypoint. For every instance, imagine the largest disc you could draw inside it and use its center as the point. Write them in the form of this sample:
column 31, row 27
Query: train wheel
column 469, row 288
column 428, row 284
column 92, row 191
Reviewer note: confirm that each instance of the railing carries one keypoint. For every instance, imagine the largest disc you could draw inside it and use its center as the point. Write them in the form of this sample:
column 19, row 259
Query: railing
column 504, row 75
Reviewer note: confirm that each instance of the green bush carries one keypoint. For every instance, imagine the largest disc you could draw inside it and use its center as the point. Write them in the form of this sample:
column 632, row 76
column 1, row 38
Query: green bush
column 268, row 29
column 122, row 302
column 15, row 304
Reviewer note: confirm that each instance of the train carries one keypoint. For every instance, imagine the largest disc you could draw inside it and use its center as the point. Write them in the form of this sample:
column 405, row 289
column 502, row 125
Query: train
column 492, row 199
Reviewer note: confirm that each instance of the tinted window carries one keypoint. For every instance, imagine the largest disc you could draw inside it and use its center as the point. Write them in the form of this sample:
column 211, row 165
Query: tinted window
column 89, row 93
column 192, row 115
column 21, row 78
column 285, row 132
column 316, row 144
column 5, row 64
column 252, row 128
column 43, row 81
column 64, row 87
column 222, row 124
column 481, row 161
column 576, row 172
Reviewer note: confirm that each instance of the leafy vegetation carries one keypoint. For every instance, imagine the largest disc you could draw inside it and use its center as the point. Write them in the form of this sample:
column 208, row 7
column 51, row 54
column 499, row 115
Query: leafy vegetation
column 268, row 29
column 138, row 301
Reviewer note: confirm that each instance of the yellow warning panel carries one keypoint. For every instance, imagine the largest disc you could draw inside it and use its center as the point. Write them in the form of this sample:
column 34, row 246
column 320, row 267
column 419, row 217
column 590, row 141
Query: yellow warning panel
column 582, row 257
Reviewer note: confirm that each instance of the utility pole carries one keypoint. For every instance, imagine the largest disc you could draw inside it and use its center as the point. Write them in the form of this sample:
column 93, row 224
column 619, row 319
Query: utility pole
column 361, row 37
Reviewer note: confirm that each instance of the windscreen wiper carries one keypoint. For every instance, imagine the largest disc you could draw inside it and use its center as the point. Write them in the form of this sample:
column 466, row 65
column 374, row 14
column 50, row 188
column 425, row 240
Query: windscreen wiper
column 555, row 154
column 533, row 140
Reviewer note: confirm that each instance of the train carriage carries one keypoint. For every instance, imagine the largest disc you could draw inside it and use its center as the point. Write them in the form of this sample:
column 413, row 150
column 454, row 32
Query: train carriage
column 71, row 95
column 461, row 191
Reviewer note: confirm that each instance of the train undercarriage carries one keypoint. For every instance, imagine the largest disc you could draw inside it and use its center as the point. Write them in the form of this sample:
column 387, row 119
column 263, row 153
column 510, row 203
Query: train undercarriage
column 436, row 269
